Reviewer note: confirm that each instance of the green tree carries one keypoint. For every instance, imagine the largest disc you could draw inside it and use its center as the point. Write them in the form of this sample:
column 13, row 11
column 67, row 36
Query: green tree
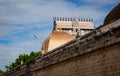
column 23, row 58
column 7, row 67
column 1, row 72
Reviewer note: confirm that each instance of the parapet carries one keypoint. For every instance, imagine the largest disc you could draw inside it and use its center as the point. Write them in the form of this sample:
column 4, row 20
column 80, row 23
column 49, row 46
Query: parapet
column 72, row 19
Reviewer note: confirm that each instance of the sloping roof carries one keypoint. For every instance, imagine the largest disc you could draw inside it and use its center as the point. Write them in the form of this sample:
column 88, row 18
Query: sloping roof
column 54, row 40
column 113, row 15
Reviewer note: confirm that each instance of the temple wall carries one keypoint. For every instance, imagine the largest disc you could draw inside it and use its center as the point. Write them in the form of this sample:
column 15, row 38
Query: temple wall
column 102, row 62
column 94, row 54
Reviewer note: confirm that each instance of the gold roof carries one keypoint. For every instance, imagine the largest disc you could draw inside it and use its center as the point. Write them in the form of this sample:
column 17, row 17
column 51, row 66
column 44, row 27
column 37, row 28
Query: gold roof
column 54, row 40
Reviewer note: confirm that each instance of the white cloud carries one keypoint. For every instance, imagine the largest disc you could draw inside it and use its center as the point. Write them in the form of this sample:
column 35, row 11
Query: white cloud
column 8, row 55
column 20, row 19
column 37, row 11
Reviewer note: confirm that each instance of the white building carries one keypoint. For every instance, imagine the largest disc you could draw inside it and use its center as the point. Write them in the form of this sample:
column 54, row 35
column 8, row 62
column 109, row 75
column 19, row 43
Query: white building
column 73, row 26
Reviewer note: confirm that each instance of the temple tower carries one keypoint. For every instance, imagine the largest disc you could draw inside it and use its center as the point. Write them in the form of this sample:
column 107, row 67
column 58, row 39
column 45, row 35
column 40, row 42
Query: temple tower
column 73, row 26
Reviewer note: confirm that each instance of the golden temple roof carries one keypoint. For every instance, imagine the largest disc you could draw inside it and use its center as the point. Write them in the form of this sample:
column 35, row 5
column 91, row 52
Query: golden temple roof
column 54, row 40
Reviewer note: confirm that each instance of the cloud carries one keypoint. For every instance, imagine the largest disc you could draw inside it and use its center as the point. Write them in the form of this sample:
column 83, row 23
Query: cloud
column 21, row 19
column 7, row 55
column 38, row 11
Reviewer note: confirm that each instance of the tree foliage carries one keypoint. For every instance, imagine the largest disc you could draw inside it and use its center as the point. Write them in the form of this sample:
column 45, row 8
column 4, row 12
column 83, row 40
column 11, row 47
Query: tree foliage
column 1, row 72
column 22, row 59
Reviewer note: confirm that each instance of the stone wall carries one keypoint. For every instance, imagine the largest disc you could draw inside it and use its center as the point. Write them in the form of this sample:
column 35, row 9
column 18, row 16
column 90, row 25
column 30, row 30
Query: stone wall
column 102, row 62
column 95, row 54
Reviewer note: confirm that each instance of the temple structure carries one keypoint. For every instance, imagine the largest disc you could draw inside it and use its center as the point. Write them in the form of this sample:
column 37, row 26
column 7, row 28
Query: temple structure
column 65, row 30
column 94, row 54
column 54, row 40
column 73, row 26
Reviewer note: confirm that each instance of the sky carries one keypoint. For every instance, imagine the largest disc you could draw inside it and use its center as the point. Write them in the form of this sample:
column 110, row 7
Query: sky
column 21, row 19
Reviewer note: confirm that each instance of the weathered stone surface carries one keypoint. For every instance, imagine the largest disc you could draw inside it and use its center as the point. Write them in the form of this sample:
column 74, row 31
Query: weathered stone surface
column 95, row 54
column 102, row 62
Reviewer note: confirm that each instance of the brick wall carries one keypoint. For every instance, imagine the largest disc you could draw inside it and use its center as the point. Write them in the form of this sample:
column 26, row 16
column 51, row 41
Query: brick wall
column 103, row 62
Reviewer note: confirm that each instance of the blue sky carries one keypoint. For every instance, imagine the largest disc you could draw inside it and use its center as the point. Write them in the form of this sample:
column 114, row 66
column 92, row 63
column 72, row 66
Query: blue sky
column 21, row 19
